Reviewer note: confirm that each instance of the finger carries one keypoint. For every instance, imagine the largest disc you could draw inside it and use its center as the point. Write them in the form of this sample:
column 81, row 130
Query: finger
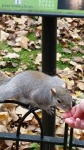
column 70, row 122
column 78, row 123
column 78, row 112
column 69, row 113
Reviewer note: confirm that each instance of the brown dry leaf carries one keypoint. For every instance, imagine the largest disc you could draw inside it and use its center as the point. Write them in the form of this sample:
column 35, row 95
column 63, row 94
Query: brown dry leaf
column 31, row 45
column 38, row 59
column 39, row 113
column 60, row 129
column 58, row 56
column 23, row 130
column 22, row 111
column 80, row 85
column 22, row 41
column 20, row 20
column 3, row 63
column 73, row 63
column 58, row 121
column 67, row 73
column 9, row 143
column 61, row 24
column 77, row 133
column 13, row 114
column 64, row 60
column 16, row 49
column 34, row 122
column 4, row 116
column 10, row 30
column 77, row 94
column 74, row 34
column 11, row 43
column 76, row 49
column 78, row 59
column 11, row 55
column 3, row 36
column 38, row 31
column 9, row 106
column 79, row 67
column 30, row 132
column 3, row 52
column 81, row 43
column 70, row 84
column 31, row 127
column 3, row 128
column 21, row 33
column 59, row 117
column 66, row 50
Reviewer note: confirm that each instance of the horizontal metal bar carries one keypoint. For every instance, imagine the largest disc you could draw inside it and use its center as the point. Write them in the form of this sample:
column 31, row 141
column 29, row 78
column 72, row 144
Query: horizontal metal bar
column 77, row 143
column 38, row 139
column 32, row 138
column 43, row 14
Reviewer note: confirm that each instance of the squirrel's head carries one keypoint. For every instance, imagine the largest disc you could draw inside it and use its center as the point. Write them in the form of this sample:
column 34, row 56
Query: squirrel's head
column 61, row 98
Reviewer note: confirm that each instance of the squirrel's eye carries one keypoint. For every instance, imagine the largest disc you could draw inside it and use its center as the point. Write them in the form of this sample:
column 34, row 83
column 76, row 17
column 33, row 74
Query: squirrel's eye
column 59, row 101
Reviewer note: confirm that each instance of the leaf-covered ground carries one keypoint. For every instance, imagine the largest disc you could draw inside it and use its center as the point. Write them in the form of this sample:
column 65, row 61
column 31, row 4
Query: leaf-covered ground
column 20, row 49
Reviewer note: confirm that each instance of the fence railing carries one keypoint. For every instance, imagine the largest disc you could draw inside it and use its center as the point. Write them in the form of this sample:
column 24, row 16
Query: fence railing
column 66, row 141
column 49, row 26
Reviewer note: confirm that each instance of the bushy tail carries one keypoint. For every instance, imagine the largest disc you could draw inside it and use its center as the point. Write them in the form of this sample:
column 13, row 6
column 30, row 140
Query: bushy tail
column 9, row 90
column 4, row 78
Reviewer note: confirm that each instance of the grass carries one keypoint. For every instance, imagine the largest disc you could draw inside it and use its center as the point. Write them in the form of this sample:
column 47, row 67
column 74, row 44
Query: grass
column 62, row 65
column 26, row 59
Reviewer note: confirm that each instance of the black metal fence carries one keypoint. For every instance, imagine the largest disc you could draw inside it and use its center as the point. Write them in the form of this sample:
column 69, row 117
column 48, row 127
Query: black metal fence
column 49, row 67
column 68, row 142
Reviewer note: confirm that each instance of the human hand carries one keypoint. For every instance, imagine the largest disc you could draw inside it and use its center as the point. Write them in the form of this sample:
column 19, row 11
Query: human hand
column 75, row 117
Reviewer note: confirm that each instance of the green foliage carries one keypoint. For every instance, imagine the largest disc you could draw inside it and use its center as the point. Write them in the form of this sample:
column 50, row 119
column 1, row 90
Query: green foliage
column 34, row 146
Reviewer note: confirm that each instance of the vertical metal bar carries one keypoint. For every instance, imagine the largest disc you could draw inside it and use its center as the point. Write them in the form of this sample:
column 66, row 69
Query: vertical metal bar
column 71, row 130
column 48, row 67
column 65, row 136
column 71, row 139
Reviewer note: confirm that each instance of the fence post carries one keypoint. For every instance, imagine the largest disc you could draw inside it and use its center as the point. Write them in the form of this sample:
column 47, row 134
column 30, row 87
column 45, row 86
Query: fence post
column 48, row 67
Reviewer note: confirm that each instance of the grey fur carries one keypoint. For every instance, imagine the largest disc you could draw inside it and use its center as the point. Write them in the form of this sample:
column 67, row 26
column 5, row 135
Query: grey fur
column 35, row 88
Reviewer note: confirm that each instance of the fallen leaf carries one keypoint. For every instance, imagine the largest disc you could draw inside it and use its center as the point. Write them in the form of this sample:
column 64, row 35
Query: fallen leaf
column 22, row 111
column 58, row 56
column 65, row 50
column 22, row 41
column 60, row 130
column 38, row 59
column 31, row 45
column 81, row 43
column 11, row 55
column 65, row 60
column 16, row 49
column 79, row 67
column 3, row 64
column 21, row 33
column 3, row 35
column 78, row 59
column 20, row 20
column 3, row 128
column 77, row 133
column 80, row 85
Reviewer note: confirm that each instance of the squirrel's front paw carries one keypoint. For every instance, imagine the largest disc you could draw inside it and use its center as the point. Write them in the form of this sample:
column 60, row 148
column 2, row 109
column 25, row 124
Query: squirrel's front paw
column 50, row 110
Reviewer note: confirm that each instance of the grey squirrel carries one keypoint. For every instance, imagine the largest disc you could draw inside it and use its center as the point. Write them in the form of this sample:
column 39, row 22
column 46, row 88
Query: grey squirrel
column 37, row 89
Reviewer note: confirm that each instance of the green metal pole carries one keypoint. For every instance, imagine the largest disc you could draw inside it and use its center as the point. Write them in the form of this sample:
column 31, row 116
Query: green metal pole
column 48, row 67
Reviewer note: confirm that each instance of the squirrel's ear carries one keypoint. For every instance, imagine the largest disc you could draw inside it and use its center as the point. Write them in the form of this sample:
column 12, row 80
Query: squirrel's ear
column 53, row 91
